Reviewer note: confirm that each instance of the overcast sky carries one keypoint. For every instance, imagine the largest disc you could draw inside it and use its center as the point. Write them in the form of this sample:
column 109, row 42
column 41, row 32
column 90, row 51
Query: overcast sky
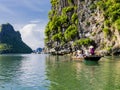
column 28, row 16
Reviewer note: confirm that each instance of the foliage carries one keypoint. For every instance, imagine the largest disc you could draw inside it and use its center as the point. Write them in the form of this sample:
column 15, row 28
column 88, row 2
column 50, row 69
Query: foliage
column 107, row 23
column 67, row 9
column 70, row 1
column 117, row 24
column 74, row 17
column 4, row 46
column 63, row 19
column 47, row 31
column 46, row 39
column 50, row 14
column 102, row 5
column 61, row 26
column 83, row 41
column 109, row 48
column 88, row 23
column 93, row 6
column 93, row 33
column 53, row 25
column 75, row 7
column 58, row 37
column 106, row 31
column 55, row 37
column 54, row 2
column 71, row 32
column 111, row 10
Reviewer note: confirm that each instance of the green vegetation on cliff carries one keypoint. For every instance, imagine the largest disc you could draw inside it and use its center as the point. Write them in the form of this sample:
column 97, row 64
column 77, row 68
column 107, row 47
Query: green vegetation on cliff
column 11, row 42
column 83, row 41
column 111, row 11
column 62, row 26
column 71, row 33
column 84, row 22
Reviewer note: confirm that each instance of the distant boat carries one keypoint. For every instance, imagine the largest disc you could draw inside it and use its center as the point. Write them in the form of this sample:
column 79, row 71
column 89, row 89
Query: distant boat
column 88, row 58
column 38, row 51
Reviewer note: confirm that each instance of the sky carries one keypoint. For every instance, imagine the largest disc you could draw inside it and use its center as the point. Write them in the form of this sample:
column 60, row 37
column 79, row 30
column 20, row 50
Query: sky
column 27, row 16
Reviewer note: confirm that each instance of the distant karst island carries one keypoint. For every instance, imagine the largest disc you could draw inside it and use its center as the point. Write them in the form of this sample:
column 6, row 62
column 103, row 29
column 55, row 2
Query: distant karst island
column 11, row 41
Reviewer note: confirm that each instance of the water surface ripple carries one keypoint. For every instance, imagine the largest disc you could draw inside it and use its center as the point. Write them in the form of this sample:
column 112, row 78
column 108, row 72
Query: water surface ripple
column 46, row 72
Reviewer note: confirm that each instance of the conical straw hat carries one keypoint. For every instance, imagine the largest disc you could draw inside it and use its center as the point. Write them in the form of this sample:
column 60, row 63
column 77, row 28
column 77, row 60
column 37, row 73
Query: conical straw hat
column 91, row 47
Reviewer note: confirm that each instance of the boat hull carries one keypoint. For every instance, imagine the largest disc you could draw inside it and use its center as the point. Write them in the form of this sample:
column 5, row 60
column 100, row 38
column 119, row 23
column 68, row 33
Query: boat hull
column 92, row 58
column 88, row 58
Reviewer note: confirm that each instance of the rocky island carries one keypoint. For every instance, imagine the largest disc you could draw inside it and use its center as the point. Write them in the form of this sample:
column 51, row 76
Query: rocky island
column 11, row 42
column 81, row 23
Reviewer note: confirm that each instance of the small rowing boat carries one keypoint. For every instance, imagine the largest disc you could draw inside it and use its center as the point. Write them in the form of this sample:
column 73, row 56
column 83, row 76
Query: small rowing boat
column 88, row 58
column 92, row 58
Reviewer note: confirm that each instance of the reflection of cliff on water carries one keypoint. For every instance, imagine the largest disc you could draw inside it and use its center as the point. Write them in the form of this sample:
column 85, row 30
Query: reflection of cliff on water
column 9, row 66
column 91, row 63
column 55, row 59
column 62, row 73
column 69, row 75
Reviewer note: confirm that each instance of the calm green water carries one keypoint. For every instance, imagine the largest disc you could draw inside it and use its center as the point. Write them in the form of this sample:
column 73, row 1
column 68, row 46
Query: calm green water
column 44, row 72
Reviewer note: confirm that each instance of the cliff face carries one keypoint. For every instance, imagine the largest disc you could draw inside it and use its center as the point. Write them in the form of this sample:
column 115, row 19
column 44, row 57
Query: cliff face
column 11, row 42
column 84, row 22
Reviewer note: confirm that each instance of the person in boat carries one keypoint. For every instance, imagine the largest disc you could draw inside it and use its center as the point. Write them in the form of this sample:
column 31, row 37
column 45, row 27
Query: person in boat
column 91, row 50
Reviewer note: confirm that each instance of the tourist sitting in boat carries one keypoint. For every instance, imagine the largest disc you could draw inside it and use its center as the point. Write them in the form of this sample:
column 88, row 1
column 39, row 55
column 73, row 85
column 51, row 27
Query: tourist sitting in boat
column 91, row 50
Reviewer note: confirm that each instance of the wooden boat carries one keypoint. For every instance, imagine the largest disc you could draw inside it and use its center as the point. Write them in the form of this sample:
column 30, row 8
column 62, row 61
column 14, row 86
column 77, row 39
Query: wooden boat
column 87, row 58
column 92, row 58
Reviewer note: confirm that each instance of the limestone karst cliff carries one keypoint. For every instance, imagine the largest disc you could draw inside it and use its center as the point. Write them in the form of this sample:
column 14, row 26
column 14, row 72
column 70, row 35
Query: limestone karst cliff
column 11, row 42
column 84, row 22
